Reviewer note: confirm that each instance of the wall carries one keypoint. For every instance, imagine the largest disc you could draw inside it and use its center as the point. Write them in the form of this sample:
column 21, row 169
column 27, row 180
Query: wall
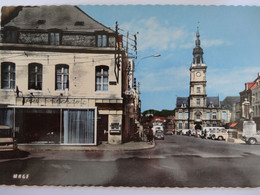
column 81, row 74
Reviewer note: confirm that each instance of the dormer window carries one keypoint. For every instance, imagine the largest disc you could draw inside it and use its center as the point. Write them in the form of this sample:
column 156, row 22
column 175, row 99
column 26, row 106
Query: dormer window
column 11, row 36
column 79, row 23
column 55, row 38
column 41, row 21
column 211, row 105
column 101, row 40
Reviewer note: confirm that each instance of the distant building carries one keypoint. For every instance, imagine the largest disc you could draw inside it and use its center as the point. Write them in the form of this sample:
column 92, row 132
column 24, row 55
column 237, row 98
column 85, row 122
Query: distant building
column 198, row 110
column 229, row 103
column 252, row 94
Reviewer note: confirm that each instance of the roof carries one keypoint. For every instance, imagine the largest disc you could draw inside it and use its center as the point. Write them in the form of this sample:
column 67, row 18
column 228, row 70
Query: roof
column 64, row 17
column 229, row 101
column 182, row 100
column 213, row 100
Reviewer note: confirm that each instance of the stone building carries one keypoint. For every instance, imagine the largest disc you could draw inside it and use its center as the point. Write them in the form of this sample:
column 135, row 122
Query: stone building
column 252, row 95
column 61, row 77
column 198, row 110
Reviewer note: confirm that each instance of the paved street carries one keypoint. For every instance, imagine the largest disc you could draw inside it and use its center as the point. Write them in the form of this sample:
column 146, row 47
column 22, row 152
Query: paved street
column 177, row 161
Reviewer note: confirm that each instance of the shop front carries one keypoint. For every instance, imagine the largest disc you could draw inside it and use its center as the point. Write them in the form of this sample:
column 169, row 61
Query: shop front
column 48, row 125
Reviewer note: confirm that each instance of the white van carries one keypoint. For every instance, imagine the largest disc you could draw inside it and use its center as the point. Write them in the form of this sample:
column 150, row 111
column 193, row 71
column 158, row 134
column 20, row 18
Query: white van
column 209, row 131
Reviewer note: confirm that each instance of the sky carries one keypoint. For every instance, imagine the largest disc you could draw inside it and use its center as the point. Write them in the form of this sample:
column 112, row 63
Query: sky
column 230, row 38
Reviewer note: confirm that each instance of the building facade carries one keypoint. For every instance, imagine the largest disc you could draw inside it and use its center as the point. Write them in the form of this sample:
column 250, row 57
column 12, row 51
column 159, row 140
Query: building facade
column 61, row 77
column 198, row 110
column 251, row 94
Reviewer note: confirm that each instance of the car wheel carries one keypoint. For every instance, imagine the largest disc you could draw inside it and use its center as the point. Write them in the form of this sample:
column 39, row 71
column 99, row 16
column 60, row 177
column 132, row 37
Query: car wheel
column 252, row 141
column 220, row 138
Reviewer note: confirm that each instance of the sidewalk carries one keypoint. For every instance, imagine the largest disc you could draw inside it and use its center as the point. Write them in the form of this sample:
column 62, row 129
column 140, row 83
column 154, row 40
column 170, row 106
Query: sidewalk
column 129, row 146
column 234, row 140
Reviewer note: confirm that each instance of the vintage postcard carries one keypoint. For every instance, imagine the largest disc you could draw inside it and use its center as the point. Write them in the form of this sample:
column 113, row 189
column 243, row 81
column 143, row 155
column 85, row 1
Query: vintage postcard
column 164, row 96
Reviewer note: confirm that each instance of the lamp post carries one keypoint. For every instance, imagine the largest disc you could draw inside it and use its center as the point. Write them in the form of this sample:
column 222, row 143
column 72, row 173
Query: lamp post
column 151, row 56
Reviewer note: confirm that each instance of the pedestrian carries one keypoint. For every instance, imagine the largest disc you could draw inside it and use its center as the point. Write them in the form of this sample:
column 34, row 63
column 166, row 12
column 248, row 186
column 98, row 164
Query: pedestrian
column 150, row 135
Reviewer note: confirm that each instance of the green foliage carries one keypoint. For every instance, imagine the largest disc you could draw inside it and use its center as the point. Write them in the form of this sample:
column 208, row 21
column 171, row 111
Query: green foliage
column 163, row 112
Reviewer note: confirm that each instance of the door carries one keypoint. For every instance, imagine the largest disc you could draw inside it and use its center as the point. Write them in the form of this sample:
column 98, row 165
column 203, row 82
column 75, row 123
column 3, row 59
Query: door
column 102, row 128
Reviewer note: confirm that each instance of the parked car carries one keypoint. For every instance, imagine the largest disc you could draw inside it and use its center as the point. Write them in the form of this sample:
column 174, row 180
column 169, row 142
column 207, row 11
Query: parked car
column 220, row 134
column 159, row 134
column 169, row 133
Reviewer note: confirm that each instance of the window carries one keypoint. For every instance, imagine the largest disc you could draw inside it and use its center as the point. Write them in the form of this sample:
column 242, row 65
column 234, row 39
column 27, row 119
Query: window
column 35, row 76
column 180, row 125
column 224, row 115
column 214, row 115
column 208, row 115
column 180, row 115
column 54, row 38
column 102, row 40
column 11, row 36
column 186, row 126
column 198, row 89
column 198, row 60
column 186, row 115
column 198, row 117
column 7, row 75
column 62, row 77
column 198, row 102
column 101, row 78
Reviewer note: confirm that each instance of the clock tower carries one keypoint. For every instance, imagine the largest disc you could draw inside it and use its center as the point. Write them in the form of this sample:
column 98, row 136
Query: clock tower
column 197, row 96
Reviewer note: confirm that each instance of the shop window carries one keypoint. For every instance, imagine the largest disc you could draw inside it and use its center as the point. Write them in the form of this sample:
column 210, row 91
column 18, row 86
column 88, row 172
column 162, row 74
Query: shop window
column 101, row 40
column 62, row 77
column 54, row 38
column 35, row 76
column 7, row 75
column 79, row 126
column 102, row 78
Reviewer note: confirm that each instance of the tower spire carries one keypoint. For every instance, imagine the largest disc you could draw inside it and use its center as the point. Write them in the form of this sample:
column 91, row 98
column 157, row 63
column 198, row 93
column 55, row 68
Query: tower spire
column 197, row 51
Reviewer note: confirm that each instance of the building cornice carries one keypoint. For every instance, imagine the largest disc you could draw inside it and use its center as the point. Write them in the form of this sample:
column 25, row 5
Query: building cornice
column 61, row 48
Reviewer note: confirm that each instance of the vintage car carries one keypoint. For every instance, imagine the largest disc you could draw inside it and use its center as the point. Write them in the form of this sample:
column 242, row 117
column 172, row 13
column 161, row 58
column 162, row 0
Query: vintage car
column 159, row 134
column 220, row 134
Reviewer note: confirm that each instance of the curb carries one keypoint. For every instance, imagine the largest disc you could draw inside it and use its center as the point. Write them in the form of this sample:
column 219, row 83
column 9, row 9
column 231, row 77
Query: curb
column 82, row 148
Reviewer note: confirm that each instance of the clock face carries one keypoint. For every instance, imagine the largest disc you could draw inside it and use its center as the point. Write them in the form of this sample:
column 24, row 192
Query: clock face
column 198, row 74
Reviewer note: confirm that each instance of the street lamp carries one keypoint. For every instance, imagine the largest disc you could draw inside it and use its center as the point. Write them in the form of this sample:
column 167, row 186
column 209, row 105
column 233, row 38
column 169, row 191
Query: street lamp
column 151, row 56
